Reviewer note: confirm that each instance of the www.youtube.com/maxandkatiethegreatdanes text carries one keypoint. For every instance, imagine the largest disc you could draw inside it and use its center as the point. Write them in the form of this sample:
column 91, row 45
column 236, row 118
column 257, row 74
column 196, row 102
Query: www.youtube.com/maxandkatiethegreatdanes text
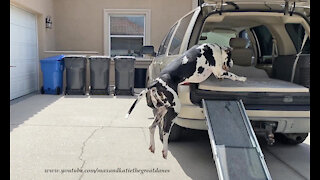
column 117, row 170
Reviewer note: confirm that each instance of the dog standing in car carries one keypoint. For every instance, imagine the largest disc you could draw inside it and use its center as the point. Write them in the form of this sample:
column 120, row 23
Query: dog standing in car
column 194, row 66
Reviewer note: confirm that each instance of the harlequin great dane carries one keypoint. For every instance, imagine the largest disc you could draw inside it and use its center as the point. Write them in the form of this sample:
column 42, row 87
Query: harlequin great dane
column 194, row 66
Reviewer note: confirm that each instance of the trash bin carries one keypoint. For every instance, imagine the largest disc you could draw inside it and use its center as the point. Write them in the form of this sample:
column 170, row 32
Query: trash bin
column 76, row 66
column 99, row 74
column 140, row 75
column 124, row 75
column 52, row 73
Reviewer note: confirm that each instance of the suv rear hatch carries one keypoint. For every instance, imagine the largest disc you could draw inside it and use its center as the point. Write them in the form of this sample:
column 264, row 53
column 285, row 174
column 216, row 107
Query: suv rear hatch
column 287, row 6
column 258, row 92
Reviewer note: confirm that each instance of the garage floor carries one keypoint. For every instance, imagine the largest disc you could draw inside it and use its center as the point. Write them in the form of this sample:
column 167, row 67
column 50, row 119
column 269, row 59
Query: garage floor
column 54, row 137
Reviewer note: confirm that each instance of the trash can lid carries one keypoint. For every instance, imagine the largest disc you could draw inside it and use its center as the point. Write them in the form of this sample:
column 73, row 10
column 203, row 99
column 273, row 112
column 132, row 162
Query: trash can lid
column 72, row 56
column 54, row 58
column 99, row 57
column 124, row 57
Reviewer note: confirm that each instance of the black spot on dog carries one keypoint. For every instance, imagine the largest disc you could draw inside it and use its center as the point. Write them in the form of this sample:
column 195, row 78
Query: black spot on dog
column 179, row 73
column 159, row 104
column 200, row 70
column 228, row 62
column 225, row 73
column 208, row 54
column 170, row 115
column 228, row 51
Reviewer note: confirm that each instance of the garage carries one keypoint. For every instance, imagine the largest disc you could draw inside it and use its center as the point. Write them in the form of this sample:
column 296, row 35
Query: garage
column 24, row 60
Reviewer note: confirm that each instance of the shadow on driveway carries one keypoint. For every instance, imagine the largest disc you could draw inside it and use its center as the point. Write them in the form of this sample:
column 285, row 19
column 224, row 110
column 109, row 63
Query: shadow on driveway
column 23, row 108
column 193, row 153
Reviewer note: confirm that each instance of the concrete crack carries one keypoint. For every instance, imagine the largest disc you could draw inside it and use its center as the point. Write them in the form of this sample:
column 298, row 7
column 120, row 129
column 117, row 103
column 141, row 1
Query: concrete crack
column 82, row 150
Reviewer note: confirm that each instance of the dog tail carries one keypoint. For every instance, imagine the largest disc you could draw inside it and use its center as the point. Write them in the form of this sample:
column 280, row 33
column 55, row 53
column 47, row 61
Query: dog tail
column 136, row 101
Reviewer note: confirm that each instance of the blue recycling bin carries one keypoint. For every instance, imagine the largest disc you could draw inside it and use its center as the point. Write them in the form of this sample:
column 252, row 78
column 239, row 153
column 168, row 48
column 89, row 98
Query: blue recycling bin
column 52, row 71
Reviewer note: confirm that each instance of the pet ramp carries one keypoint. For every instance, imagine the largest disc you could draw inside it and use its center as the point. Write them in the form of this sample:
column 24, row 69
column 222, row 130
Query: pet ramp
column 235, row 148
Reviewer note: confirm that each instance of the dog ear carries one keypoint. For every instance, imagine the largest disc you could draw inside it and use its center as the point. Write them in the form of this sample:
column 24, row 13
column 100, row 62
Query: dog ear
column 228, row 49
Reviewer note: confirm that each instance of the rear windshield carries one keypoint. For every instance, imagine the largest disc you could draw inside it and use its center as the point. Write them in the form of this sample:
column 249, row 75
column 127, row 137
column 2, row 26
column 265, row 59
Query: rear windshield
column 221, row 38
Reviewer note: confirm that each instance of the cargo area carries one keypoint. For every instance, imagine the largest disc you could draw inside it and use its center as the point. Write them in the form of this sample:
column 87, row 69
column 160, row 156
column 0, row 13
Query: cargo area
column 265, row 47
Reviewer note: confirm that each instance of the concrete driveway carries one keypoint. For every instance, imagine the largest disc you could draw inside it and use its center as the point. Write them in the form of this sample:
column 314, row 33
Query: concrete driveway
column 86, row 137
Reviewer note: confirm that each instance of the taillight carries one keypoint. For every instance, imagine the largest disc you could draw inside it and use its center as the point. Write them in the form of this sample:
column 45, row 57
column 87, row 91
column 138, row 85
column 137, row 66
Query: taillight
column 186, row 84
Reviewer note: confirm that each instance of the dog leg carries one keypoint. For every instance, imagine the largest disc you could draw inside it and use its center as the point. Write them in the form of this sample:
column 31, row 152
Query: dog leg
column 167, row 124
column 232, row 76
column 165, row 144
column 152, row 127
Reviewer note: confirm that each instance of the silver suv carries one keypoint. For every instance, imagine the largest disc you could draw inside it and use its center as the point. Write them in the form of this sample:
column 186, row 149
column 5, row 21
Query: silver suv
column 266, row 37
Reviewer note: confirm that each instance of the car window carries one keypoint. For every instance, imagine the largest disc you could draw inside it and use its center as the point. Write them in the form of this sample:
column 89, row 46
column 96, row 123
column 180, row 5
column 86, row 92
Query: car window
column 221, row 38
column 164, row 45
column 178, row 37
column 244, row 34
column 264, row 40
column 296, row 33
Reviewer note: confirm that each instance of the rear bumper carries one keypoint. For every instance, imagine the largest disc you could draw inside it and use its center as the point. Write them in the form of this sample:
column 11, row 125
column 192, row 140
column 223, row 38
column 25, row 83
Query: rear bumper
column 286, row 123
column 290, row 118
column 289, row 101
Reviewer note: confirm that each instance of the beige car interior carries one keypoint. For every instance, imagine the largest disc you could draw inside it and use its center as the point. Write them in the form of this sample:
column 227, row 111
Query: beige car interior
column 245, row 59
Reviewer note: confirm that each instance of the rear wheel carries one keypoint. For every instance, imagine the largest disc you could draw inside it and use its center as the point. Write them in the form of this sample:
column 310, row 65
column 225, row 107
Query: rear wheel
column 66, row 91
column 175, row 133
column 57, row 90
column 292, row 138
column 42, row 90
column 115, row 91
column 84, row 91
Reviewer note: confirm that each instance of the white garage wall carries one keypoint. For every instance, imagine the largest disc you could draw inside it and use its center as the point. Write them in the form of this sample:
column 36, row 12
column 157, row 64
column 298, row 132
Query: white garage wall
column 23, row 53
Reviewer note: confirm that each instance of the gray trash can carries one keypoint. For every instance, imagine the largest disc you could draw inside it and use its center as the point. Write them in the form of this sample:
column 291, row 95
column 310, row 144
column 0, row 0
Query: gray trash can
column 124, row 75
column 76, row 66
column 99, row 74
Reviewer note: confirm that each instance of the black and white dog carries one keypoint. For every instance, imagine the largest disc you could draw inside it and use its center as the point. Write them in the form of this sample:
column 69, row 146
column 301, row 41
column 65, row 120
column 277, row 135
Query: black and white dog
column 194, row 66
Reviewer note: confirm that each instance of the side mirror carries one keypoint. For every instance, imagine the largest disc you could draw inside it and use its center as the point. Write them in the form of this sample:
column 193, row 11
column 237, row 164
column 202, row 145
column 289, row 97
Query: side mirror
column 149, row 50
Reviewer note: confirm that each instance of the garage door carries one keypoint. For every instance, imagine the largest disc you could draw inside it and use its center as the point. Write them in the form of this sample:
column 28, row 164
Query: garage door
column 24, row 61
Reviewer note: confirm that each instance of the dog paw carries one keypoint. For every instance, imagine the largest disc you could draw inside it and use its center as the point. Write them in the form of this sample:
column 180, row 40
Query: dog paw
column 152, row 148
column 164, row 154
column 242, row 79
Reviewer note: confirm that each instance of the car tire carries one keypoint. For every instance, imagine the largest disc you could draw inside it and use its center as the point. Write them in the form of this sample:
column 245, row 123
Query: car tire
column 42, row 90
column 84, row 91
column 175, row 133
column 66, row 91
column 57, row 90
column 115, row 91
column 292, row 138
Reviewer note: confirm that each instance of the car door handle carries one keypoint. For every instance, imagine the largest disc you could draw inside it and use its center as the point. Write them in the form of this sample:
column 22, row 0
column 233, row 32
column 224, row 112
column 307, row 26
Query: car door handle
column 13, row 66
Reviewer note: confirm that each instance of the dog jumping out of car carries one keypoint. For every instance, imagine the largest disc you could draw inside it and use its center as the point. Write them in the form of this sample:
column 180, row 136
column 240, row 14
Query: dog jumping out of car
column 194, row 66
